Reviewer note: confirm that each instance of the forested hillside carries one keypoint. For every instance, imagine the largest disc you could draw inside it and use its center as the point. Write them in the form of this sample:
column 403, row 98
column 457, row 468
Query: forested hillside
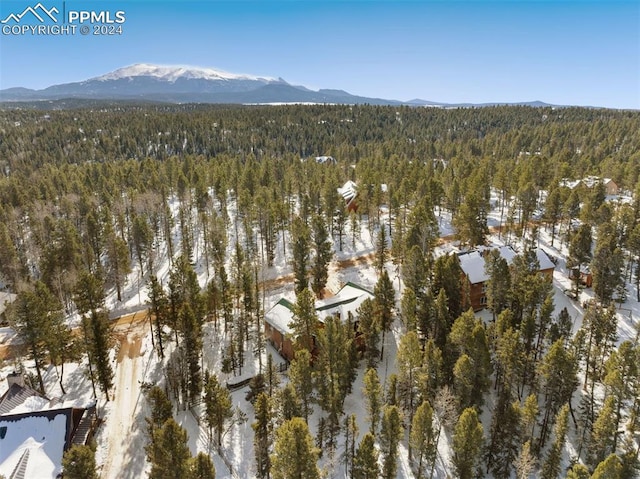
column 97, row 203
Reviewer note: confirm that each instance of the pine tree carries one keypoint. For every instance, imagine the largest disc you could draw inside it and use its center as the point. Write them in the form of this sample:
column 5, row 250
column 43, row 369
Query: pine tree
column 610, row 468
column 351, row 435
column 607, row 264
column 578, row 471
column 579, row 252
column 9, row 261
column 385, row 299
column 423, row 439
column 301, row 239
column 365, row 464
column 169, row 456
column 553, row 210
column 301, row 377
column 62, row 343
column 467, row 444
column 622, row 380
column 369, row 329
column 159, row 309
column 201, row 467
column 32, row 316
column 409, row 361
column 294, row 456
column 161, row 408
column 390, row 434
column 304, row 323
column 382, row 250
column 525, row 462
column 118, row 261
column 499, row 283
column 504, row 436
column 192, row 347
column 463, row 373
column 100, row 341
column 142, row 238
column 322, row 257
column 335, row 371
column 226, row 299
column 372, row 392
column 391, row 394
column 551, row 466
column 603, row 433
column 288, row 403
column 529, row 414
column 263, row 431
column 557, row 372
column 468, row 337
column 218, row 408
column 431, row 374
column 79, row 462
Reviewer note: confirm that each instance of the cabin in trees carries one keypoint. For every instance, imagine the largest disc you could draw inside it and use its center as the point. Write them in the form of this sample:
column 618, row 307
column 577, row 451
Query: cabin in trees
column 325, row 160
column 277, row 319
column 473, row 268
column 588, row 183
column 35, row 431
column 349, row 192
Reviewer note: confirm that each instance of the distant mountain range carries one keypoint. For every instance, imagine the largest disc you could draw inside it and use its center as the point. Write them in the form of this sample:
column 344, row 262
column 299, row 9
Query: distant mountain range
column 178, row 84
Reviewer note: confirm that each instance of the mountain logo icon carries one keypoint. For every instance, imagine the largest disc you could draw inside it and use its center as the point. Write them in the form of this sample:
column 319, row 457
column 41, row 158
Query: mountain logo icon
column 38, row 11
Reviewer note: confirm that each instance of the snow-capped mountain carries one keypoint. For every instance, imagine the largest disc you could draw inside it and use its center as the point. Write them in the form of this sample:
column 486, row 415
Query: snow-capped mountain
column 184, row 84
column 173, row 73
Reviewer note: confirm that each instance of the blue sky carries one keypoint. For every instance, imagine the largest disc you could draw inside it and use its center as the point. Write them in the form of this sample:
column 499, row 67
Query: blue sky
column 562, row 52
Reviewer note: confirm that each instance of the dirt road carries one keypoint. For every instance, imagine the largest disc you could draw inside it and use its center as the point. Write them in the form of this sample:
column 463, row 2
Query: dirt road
column 129, row 331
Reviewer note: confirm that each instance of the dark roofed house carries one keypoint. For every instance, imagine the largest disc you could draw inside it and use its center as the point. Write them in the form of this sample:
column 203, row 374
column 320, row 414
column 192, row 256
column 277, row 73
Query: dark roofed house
column 36, row 431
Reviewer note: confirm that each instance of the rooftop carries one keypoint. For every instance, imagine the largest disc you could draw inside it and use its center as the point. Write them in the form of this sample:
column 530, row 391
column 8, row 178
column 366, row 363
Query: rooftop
column 346, row 301
column 472, row 263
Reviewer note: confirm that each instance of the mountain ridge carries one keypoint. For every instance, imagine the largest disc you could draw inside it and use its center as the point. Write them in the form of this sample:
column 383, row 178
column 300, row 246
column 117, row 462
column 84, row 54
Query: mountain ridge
column 190, row 84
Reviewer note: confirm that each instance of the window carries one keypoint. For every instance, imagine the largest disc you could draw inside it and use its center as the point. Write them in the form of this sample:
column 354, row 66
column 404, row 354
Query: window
column 483, row 300
column 3, row 432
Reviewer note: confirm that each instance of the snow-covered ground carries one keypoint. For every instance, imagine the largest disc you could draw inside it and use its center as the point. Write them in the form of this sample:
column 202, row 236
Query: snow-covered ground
column 122, row 437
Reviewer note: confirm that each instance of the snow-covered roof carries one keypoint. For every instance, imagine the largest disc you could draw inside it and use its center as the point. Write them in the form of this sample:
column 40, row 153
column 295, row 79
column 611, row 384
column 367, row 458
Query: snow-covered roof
column 571, row 184
column 589, row 182
column 325, row 159
column 346, row 301
column 13, row 401
column 472, row 263
column 543, row 260
column 280, row 316
column 36, row 440
column 348, row 191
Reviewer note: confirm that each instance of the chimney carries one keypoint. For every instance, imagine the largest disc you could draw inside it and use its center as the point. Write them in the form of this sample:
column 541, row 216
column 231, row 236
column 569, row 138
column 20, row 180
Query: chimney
column 15, row 378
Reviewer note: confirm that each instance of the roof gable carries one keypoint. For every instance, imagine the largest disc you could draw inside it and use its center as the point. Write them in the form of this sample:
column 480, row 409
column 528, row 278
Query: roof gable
column 43, row 436
column 346, row 301
column 473, row 263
